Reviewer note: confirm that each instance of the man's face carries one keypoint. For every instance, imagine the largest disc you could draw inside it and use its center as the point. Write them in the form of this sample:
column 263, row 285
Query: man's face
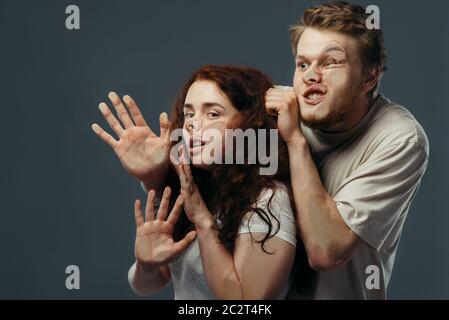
column 328, row 79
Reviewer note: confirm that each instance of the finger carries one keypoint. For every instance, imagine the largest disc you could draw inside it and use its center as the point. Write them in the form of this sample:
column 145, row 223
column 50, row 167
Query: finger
column 176, row 211
column 163, row 209
column 284, row 88
column 149, row 210
column 277, row 97
column 185, row 166
column 280, row 95
column 121, row 110
column 134, row 110
column 280, row 89
column 187, row 173
column 111, row 119
column 138, row 213
column 274, row 91
column 106, row 137
column 272, row 108
column 281, row 103
column 164, row 125
column 182, row 177
column 181, row 158
column 184, row 154
column 179, row 168
column 189, row 183
column 185, row 242
column 174, row 158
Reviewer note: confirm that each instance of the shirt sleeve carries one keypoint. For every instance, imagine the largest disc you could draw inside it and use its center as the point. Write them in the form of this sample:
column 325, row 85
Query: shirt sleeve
column 157, row 201
column 131, row 273
column 380, row 190
column 280, row 208
column 144, row 187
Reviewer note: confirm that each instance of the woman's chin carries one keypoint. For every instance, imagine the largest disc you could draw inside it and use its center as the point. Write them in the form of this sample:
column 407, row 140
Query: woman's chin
column 202, row 166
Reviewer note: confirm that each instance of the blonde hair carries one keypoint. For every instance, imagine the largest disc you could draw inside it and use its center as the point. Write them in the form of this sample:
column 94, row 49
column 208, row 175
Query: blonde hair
column 348, row 19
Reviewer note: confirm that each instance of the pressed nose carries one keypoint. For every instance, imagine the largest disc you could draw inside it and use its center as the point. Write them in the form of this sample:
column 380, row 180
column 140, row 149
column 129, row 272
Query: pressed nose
column 311, row 75
column 193, row 125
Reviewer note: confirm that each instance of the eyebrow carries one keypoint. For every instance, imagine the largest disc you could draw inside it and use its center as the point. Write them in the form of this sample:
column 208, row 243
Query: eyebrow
column 327, row 50
column 334, row 48
column 204, row 105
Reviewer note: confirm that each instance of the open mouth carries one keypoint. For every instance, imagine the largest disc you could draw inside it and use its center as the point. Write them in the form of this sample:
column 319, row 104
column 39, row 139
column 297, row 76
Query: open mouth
column 196, row 143
column 315, row 94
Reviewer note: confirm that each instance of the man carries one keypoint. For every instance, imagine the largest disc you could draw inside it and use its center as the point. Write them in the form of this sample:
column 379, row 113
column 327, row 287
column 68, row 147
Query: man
column 356, row 158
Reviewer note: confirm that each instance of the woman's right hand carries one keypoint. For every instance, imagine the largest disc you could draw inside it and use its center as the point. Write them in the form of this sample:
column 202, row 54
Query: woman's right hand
column 142, row 153
column 154, row 236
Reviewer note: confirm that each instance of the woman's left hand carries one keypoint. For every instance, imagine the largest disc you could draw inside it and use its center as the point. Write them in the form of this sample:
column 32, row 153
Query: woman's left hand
column 194, row 205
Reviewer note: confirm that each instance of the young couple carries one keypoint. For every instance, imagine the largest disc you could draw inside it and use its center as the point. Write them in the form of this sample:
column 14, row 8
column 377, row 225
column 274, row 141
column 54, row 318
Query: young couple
column 349, row 164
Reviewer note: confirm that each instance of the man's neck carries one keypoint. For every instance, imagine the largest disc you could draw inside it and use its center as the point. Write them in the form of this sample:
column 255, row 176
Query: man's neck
column 354, row 118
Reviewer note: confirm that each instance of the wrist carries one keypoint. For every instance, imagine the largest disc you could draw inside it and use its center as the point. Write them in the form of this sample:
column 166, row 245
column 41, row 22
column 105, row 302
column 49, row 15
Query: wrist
column 146, row 267
column 297, row 140
column 205, row 224
column 154, row 182
column 156, row 178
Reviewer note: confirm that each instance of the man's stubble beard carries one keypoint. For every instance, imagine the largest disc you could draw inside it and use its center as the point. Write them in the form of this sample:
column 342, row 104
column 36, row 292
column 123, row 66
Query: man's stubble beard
column 339, row 112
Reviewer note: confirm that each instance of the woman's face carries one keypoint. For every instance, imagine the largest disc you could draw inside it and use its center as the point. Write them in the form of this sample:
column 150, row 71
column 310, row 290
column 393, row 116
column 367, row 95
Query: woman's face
column 207, row 113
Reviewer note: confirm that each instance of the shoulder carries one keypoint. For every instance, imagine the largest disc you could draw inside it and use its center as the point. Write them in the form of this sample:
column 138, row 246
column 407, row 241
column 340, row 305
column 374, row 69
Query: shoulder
column 278, row 195
column 394, row 125
column 272, row 213
column 274, row 203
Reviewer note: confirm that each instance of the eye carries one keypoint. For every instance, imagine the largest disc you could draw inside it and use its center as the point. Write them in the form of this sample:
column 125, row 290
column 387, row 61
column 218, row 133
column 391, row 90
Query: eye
column 301, row 65
column 331, row 62
column 212, row 114
column 189, row 114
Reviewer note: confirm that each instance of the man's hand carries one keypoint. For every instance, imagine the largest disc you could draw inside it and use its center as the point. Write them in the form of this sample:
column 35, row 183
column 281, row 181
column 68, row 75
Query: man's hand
column 283, row 103
column 142, row 153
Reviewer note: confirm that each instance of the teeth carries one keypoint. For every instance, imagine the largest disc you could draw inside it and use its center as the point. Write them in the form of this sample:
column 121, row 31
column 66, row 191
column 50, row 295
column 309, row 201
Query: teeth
column 196, row 143
column 314, row 96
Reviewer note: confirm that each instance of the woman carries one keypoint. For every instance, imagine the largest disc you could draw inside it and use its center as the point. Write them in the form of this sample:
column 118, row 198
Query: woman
column 237, row 237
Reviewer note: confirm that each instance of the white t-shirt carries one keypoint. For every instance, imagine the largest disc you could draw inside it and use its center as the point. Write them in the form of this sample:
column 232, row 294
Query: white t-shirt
column 373, row 172
column 187, row 273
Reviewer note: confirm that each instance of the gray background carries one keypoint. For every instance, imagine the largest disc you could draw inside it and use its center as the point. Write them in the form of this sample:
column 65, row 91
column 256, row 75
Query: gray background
column 65, row 198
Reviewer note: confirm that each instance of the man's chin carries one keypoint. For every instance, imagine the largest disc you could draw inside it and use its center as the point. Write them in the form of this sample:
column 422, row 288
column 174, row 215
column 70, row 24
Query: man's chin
column 311, row 123
column 329, row 122
column 314, row 119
